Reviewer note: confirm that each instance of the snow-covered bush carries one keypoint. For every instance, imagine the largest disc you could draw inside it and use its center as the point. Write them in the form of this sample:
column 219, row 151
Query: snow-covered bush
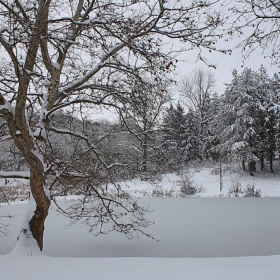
column 187, row 186
column 215, row 171
column 158, row 192
column 250, row 191
column 235, row 189
column 171, row 192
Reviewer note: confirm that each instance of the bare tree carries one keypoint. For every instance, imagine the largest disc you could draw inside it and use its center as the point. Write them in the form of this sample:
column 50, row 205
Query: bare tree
column 76, row 55
column 256, row 22
column 142, row 114
column 197, row 90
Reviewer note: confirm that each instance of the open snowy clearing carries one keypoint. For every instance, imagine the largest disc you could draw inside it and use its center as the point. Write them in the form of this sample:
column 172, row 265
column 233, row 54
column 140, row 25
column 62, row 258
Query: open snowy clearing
column 192, row 232
column 208, row 179
column 31, row 268
column 186, row 227
column 209, row 237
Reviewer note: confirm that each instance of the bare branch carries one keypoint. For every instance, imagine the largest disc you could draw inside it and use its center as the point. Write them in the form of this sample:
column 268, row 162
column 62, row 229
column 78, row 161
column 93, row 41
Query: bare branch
column 15, row 174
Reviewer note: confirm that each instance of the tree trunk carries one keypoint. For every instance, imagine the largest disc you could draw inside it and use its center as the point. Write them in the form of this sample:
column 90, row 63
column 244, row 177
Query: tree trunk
column 243, row 165
column 145, row 155
column 145, row 148
column 37, row 222
column 262, row 163
column 255, row 166
column 221, row 177
column 37, row 212
column 251, row 167
column 23, row 138
column 271, row 162
column 26, row 145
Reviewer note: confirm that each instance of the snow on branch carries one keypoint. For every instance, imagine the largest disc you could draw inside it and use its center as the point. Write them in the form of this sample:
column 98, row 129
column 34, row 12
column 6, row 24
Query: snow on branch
column 86, row 23
column 95, row 69
column 4, row 138
column 5, row 105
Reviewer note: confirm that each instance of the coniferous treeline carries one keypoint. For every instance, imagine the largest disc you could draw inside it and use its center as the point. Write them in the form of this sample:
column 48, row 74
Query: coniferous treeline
column 241, row 124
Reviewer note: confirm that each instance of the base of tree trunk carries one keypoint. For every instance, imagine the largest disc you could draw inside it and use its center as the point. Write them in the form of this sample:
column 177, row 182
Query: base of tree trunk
column 27, row 245
column 252, row 167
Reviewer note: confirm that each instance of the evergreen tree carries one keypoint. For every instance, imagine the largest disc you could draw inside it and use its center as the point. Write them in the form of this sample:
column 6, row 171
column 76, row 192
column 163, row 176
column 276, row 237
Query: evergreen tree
column 174, row 138
column 249, row 127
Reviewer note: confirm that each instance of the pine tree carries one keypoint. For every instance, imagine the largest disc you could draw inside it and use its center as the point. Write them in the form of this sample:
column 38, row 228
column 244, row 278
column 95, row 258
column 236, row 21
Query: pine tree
column 250, row 119
column 174, row 138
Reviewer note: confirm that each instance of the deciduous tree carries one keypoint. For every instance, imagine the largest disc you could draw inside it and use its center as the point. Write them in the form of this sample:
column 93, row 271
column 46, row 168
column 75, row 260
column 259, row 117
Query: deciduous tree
column 75, row 55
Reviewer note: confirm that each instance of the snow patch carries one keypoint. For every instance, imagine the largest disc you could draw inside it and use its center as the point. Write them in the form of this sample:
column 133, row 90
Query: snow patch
column 56, row 65
column 26, row 244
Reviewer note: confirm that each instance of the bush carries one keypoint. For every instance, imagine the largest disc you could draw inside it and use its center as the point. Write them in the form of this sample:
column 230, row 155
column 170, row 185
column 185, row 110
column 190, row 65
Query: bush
column 187, row 186
column 215, row 171
column 235, row 189
column 250, row 191
column 158, row 192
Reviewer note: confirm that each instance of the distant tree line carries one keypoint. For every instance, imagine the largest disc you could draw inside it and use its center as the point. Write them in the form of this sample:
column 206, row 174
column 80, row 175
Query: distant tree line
column 241, row 124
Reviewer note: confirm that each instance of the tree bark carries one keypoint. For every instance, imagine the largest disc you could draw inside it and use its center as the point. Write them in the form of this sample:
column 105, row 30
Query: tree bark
column 145, row 153
column 271, row 162
column 221, row 177
column 262, row 163
column 37, row 222
column 243, row 165
column 251, row 167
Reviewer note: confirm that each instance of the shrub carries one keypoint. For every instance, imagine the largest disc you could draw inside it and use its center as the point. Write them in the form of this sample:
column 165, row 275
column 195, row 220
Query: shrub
column 170, row 193
column 215, row 171
column 235, row 189
column 187, row 186
column 158, row 192
column 250, row 191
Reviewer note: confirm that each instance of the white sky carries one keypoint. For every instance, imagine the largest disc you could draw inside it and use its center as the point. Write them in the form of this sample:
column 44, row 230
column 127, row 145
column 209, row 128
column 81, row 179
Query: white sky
column 225, row 65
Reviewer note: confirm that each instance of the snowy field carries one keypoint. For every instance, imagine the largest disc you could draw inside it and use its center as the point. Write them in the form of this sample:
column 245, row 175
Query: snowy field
column 207, row 237
column 208, row 179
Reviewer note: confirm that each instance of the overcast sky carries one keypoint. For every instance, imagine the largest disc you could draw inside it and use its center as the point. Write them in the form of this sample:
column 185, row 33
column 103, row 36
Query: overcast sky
column 225, row 64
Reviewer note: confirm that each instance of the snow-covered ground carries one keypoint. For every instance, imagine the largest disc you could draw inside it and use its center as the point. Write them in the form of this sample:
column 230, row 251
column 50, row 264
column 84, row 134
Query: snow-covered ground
column 207, row 237
column 31, row 268
column 208, row 179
